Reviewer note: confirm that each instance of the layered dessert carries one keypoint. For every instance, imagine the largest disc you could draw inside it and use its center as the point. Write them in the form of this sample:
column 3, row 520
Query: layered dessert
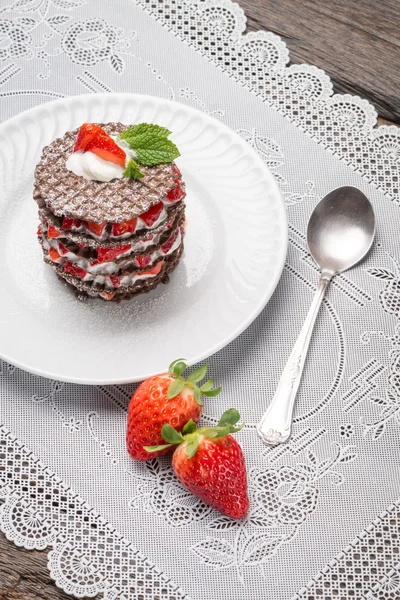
column 111, row 209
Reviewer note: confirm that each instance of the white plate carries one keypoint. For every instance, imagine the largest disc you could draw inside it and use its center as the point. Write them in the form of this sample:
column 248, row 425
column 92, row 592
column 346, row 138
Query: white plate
column 235, row 248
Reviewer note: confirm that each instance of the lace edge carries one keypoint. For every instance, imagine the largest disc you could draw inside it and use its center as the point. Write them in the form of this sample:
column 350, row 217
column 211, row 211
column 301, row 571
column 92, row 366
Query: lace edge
column 90, row 576
column 347, row 552
column 301, row 93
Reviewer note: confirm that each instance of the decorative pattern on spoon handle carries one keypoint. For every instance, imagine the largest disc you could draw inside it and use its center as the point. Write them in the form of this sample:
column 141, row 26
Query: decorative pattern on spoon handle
column 275, row 426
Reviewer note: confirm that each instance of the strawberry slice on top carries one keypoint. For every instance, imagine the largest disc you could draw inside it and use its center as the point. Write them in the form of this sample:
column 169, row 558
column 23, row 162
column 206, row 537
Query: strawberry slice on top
column 92, row 138
column 86, row 134
column 104, row 146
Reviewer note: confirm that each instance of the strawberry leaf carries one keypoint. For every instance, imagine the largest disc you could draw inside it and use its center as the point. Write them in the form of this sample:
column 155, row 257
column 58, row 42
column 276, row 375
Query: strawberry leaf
column 177, row 367
column 212, row 393
column 157, row 448
column 221, row 432
column 229, row 417
column 206, row 387
column 198, row 374
column 190, row 427
column 170, row 434
column 191, row 446
column 175, row 387
column 197, row 395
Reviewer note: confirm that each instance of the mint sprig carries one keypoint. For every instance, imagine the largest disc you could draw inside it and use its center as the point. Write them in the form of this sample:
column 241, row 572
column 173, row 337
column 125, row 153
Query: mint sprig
column 133, row 170
column 144, row 128
column 150, row 143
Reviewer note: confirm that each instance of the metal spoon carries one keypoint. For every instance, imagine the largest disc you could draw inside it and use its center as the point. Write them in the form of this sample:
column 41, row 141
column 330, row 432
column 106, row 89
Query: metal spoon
column 340, row 233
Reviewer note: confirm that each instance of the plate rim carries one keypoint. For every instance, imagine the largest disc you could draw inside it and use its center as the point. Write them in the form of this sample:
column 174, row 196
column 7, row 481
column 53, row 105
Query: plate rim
column 264, row 298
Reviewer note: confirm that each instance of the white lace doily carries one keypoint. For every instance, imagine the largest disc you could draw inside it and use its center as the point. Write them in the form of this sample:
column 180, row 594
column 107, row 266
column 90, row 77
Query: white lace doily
column 324, row 516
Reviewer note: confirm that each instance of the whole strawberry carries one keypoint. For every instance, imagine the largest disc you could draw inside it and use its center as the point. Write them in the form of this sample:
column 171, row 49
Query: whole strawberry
column 210, row 464
column 164, row 399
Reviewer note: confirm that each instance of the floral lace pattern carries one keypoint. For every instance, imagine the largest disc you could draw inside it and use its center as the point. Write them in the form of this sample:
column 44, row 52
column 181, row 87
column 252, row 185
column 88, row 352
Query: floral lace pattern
column 342, row 123
column 346, row 575
column 347, row 418
column 52, row 516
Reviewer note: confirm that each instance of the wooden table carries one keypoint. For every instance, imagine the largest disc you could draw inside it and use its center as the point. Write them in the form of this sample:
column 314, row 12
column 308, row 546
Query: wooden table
column 358, row 43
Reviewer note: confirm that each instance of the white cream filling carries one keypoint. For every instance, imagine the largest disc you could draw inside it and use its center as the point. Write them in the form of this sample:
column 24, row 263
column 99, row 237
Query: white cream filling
column 98, row 273
column 93, row 168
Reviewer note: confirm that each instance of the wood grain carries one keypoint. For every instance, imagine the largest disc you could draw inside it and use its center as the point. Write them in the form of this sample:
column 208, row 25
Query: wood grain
column 358, row 43
column 24, row 575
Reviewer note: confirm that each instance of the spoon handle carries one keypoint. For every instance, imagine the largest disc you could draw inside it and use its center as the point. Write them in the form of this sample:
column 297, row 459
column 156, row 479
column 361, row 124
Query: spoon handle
column 275, row 426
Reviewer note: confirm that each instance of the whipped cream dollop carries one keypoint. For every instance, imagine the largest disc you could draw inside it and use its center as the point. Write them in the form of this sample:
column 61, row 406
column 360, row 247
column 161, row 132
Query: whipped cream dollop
column 93, row 168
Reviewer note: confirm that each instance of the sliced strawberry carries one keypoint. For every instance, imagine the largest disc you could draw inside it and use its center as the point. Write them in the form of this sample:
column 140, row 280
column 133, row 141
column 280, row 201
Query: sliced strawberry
column 75, row 271
column 143, row 261
column 106, row 254
column 54, row 254
column 122, row 228
column 62, row 249
column 151, row 216
column 80, row 245
column 39, row 231
column 154, row 271
column 166, row 247
column 96, row 228
column 70, row 224
column 176, row 193
column 107, row 295
column 176, row 171
column 104, row 146
column 86, row 134
column 115, row 280
column 52, row 232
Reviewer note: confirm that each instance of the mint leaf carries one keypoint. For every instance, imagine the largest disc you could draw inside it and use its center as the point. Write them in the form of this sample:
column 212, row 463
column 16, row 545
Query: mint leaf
column 144, row 128
column 175, row 387
column 133, row 170
column 152, row 149
column 170, row 434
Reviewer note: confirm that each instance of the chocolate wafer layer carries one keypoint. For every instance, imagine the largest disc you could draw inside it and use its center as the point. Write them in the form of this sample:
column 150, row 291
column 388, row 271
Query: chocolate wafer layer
column 90, row 254
column 119, row 200
column 175, row 212
column 84, row 290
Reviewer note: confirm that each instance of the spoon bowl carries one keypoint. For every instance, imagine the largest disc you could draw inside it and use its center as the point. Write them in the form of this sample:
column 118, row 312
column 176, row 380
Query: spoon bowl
column 341, row 230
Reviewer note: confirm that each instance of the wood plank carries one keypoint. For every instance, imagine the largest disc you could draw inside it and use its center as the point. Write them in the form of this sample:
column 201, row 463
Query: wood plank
column 24, row 575
column 357, row 42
